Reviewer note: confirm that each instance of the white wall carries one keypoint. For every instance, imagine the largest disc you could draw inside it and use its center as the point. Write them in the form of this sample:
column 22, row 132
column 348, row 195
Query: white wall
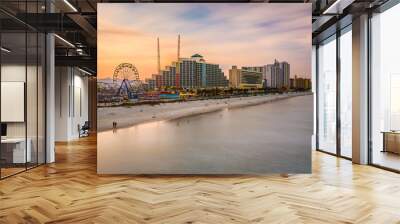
column 16, row 73
column 13, row 101
column 71, row 102
column 80, row 109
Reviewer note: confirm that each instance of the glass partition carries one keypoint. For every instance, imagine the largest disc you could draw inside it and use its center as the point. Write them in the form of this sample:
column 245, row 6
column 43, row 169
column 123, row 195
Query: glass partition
column 31, row 97
column 346, row 92
column 13, row 114
column 327, row 95
column 22, row 98
column 385, row 89
column 41, row 97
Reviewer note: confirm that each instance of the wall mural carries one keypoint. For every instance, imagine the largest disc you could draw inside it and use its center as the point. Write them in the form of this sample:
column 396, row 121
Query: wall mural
column 200, row 88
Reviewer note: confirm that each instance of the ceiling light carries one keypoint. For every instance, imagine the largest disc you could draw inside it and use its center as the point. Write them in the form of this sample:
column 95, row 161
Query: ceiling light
column 70, row 5
column 338, row 6
column 5, row 50
column 84, row 71
column 79, row 51
column 64, row 40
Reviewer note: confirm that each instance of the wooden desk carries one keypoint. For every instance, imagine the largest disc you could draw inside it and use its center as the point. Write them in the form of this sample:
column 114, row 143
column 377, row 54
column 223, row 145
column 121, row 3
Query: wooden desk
column 391, row 141
column 13, row 150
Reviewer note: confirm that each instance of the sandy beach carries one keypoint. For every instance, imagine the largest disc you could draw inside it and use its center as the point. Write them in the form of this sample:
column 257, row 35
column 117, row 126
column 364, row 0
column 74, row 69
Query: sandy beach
column 128, row 116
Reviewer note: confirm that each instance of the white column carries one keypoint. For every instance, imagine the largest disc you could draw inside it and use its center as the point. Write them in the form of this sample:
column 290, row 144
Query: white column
column 360, row 90
column 50, row 98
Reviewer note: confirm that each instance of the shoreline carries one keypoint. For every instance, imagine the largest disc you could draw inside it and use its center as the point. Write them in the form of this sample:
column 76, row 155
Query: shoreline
column 130, row 116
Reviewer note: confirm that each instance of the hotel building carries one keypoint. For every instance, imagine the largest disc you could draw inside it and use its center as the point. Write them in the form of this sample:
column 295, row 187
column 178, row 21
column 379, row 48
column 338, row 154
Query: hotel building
column 276, row 75
column 245, row 79
column 191, row 73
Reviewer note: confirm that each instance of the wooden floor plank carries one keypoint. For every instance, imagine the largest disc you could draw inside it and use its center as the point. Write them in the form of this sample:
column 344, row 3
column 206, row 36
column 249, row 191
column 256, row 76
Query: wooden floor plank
column 70, row 191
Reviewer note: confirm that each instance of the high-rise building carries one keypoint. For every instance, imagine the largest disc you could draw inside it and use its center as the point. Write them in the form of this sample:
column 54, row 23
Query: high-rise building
column 263, row 69
column 187, row 72
column 151, row 83
column 158, row 79
column 168, row 76
column 278, row 74
column 214, row 76
column 234, row 77
column 241, row 78
column 273, row 72
column 285, row 74
column 193, row 72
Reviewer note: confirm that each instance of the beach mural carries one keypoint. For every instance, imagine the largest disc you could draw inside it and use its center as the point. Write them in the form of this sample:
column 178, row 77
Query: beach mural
column 196, row 88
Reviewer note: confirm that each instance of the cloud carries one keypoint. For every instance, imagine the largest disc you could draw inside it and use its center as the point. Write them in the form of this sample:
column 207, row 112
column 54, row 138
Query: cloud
column 227, row 34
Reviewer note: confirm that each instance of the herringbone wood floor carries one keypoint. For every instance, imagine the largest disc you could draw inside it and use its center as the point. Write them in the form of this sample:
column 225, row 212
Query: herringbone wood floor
column 70, row 191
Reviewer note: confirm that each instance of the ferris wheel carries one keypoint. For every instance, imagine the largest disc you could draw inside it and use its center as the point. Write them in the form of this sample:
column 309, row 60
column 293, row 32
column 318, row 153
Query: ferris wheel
column 130, row 78
column 126, row 71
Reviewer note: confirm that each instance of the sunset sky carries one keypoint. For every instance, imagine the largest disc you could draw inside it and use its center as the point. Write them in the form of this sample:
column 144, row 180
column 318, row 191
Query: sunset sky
column 248, row 34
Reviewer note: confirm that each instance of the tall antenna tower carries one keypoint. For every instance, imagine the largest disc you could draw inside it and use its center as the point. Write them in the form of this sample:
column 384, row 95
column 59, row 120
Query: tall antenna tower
column 158, row 56
column 179, row 46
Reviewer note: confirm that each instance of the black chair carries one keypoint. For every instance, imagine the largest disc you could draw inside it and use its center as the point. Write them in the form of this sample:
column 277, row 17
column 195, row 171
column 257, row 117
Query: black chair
column 84, row 130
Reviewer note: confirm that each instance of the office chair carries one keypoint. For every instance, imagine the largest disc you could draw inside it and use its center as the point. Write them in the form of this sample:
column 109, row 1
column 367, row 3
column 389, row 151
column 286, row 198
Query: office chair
column 84, row 130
